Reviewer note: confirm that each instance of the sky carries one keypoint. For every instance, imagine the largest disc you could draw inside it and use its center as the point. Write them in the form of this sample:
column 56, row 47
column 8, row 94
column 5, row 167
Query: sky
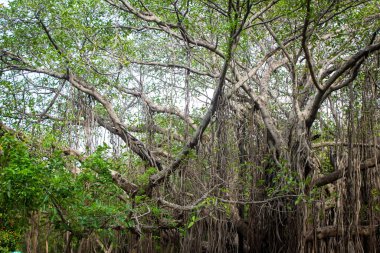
column 5, row 2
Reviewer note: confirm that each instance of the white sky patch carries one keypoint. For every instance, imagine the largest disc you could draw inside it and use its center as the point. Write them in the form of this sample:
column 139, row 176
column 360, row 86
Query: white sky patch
column 4, row 2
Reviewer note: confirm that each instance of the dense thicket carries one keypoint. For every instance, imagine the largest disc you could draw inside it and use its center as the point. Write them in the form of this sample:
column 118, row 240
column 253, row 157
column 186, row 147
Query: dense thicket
column 189, row 126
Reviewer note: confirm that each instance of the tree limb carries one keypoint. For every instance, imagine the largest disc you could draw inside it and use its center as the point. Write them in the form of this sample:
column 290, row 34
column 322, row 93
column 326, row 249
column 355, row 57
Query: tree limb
column 338, row 174
column 313, row 105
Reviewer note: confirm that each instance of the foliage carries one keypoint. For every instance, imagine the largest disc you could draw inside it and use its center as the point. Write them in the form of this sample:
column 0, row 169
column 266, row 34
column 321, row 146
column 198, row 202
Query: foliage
column 137, row 123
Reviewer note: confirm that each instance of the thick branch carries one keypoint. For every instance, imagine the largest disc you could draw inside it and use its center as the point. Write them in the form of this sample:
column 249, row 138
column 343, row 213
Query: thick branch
column 158, row 178
column 334, row 231
column 123, row 183
column 313, row 105
column 118, row 128
column 334, row 176
column 268, row 120
column 133, row 143
column 350, row 63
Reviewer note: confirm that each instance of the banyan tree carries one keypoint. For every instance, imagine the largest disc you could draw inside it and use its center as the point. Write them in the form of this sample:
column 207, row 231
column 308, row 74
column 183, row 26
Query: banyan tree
column 190, row 126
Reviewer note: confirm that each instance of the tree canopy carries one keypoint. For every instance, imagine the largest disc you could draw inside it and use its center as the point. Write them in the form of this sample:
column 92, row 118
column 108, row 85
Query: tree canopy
column 189, row 125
